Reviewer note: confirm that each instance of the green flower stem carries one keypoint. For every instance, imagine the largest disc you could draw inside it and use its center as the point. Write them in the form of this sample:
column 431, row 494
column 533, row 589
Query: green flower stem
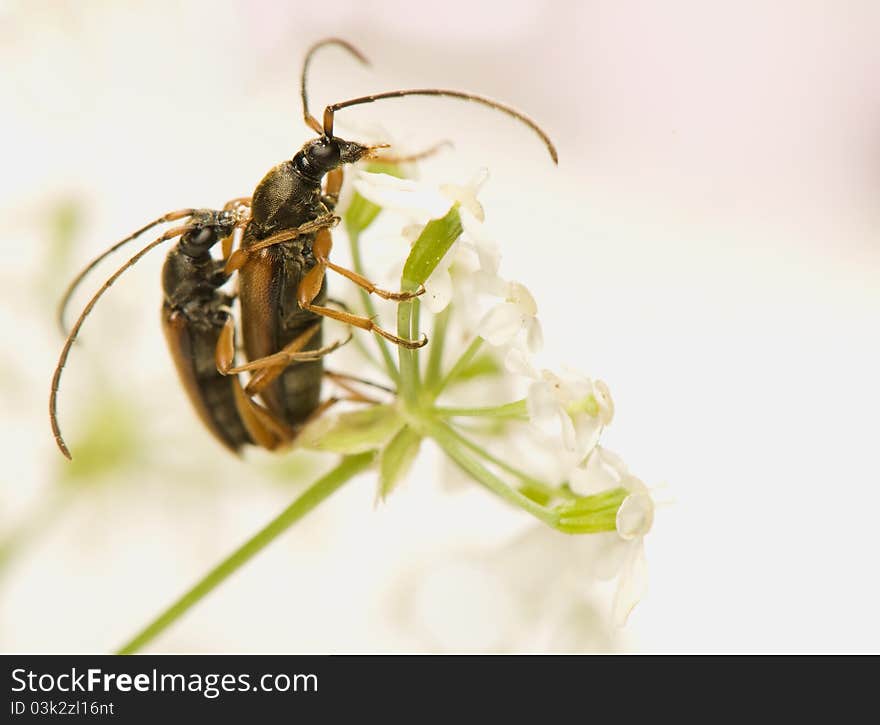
column 431, row 246
column 435, row 351
column 549, row 492
column 409, row 362
column 592, row 514
column 320, row 490
column 367, row 301
column 517, row 409
column 460, row 365
column 597, row 502
column 448, row 441
column 595, row 523
column 414, row 327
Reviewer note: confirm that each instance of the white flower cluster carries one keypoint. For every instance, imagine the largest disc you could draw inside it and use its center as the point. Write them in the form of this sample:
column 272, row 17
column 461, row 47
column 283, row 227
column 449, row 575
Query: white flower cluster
column 470, row 267
column 566, row 407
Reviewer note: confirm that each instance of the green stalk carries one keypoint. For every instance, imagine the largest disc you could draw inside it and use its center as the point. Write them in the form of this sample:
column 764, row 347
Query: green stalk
column 516, row 409
column 447, row 440
column 320, row 490
column 409, row 363
column 435, row 351
column 460, row 364
column 424, row 256
column 414, row 334
column 549, row 492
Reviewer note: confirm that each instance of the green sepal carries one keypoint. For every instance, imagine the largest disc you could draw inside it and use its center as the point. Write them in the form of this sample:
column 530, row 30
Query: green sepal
column 433, row 243
column 396, row 459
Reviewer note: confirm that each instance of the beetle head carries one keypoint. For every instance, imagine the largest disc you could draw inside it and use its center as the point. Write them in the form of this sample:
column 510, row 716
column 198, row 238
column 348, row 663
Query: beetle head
column 324, row 154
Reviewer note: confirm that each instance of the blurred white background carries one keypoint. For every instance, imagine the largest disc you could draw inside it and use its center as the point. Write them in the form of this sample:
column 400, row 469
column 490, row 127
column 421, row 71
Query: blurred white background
column 708, row 246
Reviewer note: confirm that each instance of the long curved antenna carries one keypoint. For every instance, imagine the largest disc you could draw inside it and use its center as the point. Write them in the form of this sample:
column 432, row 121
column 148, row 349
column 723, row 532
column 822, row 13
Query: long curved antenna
column 310, row 120
column 74, row 331
column 330, row 111
column 71, row 288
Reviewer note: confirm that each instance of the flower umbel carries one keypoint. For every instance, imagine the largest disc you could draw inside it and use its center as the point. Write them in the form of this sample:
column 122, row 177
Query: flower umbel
column 453, row 255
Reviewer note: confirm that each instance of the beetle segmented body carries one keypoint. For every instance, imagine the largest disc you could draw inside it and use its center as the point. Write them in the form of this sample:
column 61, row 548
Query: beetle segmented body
column 268, row 284
column 194, row 315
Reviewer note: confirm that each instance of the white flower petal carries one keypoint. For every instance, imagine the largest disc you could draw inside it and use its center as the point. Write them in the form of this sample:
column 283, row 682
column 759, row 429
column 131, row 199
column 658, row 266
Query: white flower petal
column 519, row 295
column 466, row 199
column 479, row 179
column 554, row 380
column 577, row 385
column 402, row 195
column 595, row 475
column 541, row 402
column 632, row 584
column 611, row 555
column 465, row 258
column 490, row 284
column 634, row 485
column 466, row 195
column 615, row 463
column 500, row 324
column 411, row 232
column 534, row 335
column 588, row 430
column 438, row 290
column 635, row 516
column 606, row 404
column 489, row 254
column 517, row 362
column 569, row 437
column 487, row 249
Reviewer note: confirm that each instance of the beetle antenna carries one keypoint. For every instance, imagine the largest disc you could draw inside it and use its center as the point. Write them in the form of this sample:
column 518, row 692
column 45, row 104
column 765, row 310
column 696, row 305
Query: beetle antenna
column 331, row 110
column 310, row 120
column 71, row 288
column 74, row 331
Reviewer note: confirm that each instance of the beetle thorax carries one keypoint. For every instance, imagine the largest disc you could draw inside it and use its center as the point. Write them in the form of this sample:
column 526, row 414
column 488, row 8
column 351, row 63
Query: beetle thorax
column 284, row 199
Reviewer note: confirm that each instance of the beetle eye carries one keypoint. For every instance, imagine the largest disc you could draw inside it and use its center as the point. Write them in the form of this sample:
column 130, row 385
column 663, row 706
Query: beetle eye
column 324, row 153
column 203, row 237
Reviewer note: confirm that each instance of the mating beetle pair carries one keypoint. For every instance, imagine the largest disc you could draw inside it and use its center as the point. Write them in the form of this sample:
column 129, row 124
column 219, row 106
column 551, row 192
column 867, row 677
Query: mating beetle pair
column 281, row 260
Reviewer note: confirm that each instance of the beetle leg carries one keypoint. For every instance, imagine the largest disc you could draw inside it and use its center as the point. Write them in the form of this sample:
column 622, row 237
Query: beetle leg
column 227, row 243
column 364, row 323
column 310, row 287
column 356, row 395
column 332, row 187
column 264, row 427
column 370, row 288
column 240, row 255
column 270, row 432
column 241, row 201
column 321, row 249
column 268, row 368
column 335, row 375
column 243, row 204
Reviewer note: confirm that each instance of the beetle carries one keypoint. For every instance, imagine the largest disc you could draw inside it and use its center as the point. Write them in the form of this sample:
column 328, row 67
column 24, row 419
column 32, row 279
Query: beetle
column 281, row 263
